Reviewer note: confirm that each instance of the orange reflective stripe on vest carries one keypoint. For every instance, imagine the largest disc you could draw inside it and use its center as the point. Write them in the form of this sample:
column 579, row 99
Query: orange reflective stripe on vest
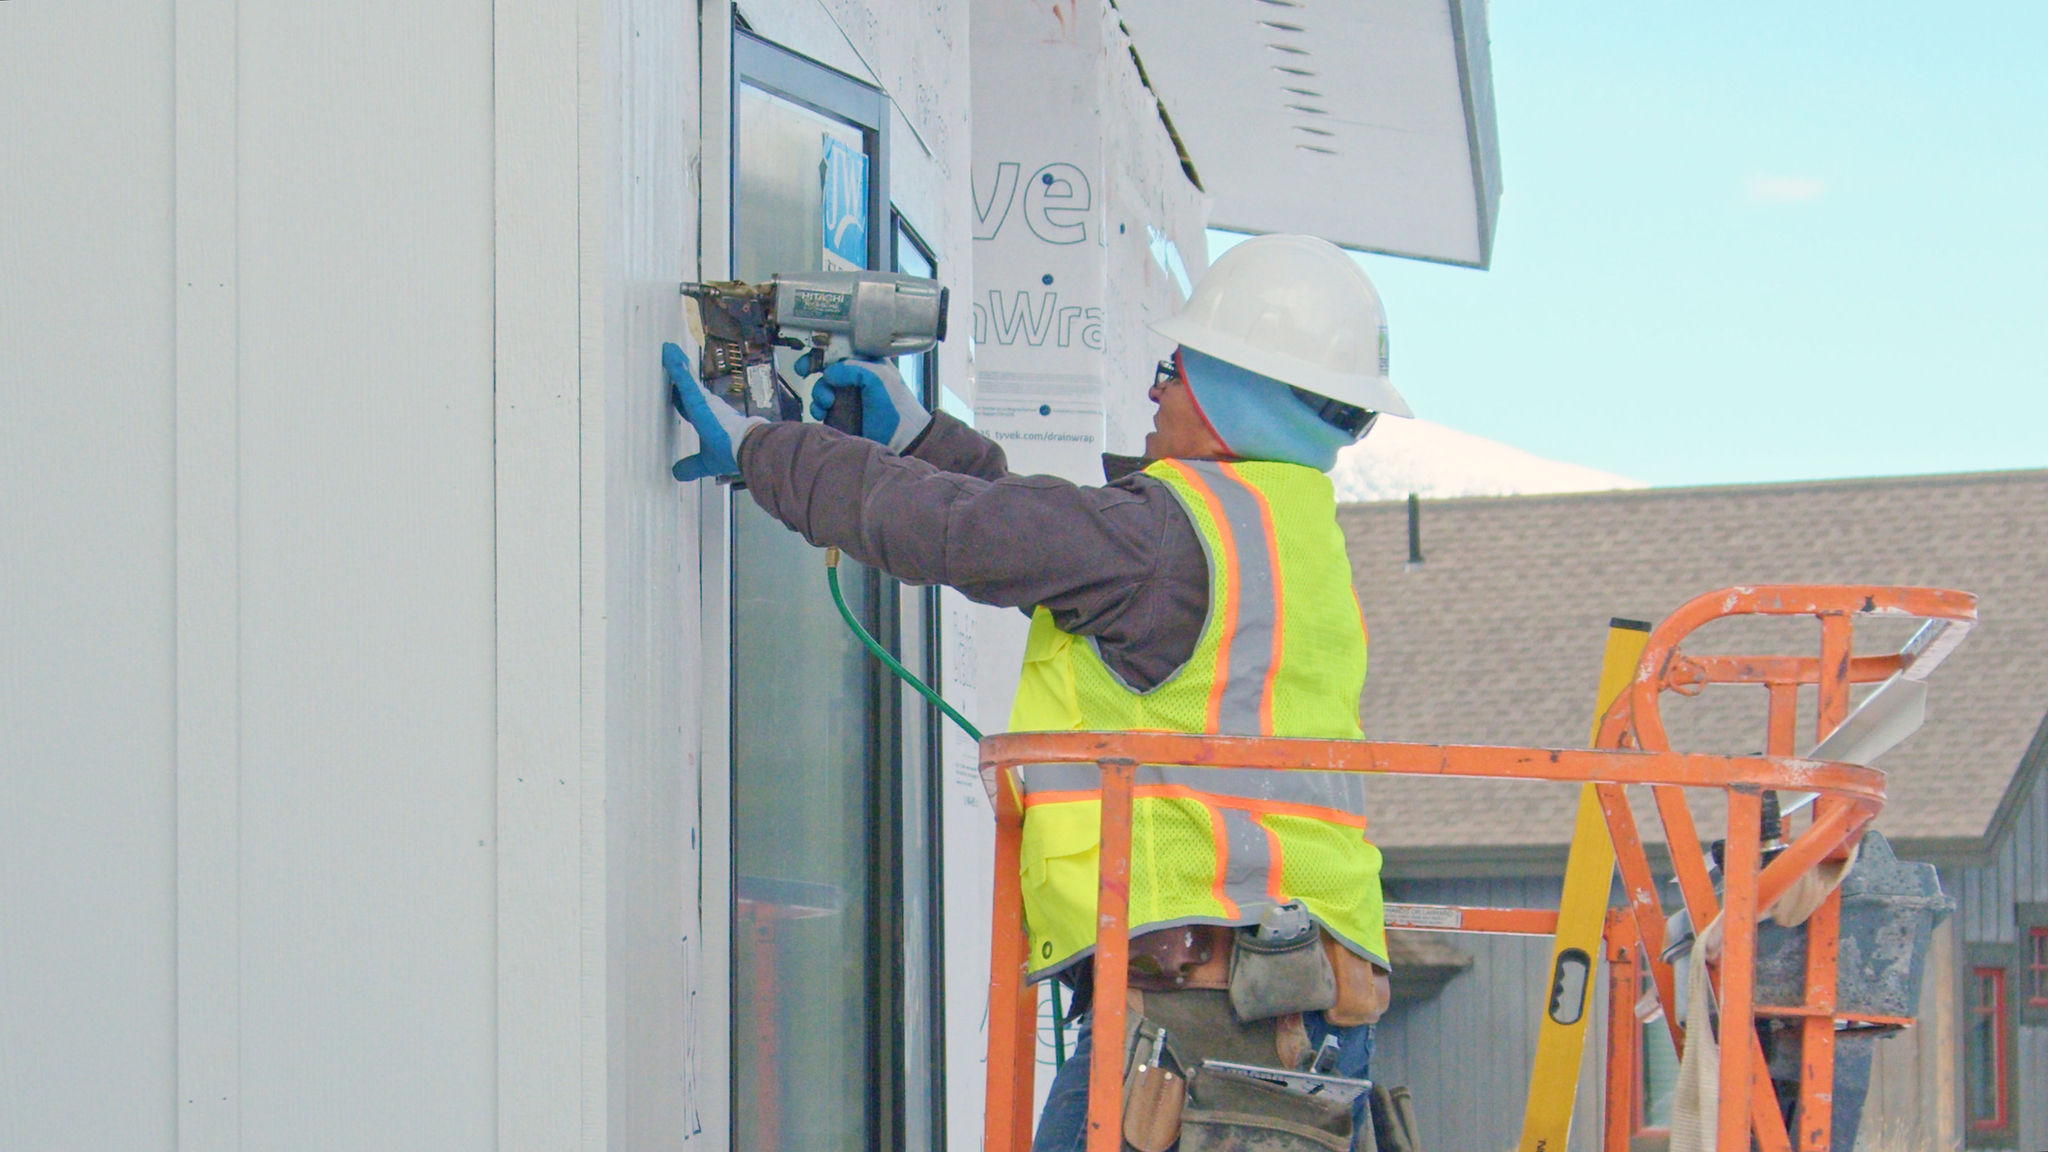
column 1281, row 653
column 1248, row 646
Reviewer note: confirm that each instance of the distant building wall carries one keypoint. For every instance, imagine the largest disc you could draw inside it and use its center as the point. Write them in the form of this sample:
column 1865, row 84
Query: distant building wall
column 2002, row 902
column 1467, row 1053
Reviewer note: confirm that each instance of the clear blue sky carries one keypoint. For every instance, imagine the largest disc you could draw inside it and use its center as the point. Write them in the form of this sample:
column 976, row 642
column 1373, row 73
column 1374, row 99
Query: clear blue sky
column 1752, row 241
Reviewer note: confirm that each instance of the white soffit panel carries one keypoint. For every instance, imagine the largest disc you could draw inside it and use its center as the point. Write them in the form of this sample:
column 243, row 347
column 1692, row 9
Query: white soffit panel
column 1366, row 122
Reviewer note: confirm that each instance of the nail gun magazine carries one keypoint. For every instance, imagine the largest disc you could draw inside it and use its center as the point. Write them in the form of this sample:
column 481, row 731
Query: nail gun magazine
column 829, row 316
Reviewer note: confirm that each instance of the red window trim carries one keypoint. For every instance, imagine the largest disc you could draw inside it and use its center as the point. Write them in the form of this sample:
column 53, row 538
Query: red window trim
column 1996, row 1011
column 2037, row 968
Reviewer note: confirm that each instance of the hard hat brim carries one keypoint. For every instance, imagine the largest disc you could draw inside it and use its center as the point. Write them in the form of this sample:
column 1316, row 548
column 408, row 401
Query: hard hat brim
column 1366, row 390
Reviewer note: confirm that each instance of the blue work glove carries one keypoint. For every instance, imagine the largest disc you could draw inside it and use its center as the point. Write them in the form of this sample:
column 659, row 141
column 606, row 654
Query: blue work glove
column 889, row 414
column 720, row 427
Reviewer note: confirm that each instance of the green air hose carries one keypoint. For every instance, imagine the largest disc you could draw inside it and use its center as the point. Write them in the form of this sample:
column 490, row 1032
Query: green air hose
column 1059, row 1024
column 882, row 654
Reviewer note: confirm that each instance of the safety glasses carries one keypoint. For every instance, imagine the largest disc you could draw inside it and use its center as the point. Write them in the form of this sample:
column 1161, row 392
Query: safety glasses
column 1168, row 372
column 1346, row 418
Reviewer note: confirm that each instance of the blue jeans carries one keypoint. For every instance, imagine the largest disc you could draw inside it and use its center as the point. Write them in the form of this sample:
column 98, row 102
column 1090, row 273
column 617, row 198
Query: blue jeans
column 1063, row 1126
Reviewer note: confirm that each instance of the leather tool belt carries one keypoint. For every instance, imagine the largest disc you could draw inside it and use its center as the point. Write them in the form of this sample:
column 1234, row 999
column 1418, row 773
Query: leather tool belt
column 1209, row 992
column 1171, row 1094
column 1205, row 956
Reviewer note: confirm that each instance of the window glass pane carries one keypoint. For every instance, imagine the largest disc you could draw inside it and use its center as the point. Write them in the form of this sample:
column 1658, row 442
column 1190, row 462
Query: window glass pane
column 779, row 208
column 805, row 762
column 2037, row 965
column 1984, row 1048
column 1660, row 1073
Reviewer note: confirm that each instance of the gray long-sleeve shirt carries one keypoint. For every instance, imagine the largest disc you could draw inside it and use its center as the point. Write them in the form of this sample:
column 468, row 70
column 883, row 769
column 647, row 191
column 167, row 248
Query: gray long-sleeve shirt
column 1120, row 563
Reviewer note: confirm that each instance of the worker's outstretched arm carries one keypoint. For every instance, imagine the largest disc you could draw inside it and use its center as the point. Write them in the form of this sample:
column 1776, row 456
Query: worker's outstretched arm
column 951, row 446
column 1120, row 563
column 891, row 415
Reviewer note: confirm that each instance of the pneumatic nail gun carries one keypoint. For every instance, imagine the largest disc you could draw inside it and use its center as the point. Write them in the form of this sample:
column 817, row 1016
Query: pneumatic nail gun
column 834, row 316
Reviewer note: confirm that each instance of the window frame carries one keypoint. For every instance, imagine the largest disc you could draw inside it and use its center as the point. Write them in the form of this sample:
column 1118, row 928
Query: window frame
column 2032, row 963
column 1998, row 962
column 924, row 787
column 766, row 66
column 2037, row 968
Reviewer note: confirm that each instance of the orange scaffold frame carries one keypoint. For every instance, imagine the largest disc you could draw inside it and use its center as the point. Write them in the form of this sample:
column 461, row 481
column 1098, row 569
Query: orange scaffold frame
column 1632, row 749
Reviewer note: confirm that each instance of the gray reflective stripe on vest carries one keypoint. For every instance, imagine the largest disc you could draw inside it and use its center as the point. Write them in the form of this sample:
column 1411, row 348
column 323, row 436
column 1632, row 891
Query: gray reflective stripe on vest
column 1249, row 859
column 1342, row 791
column 1245, row 669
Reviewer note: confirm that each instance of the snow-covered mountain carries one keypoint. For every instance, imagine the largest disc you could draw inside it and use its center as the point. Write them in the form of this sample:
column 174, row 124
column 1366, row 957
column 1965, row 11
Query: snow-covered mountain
column 1403, row 456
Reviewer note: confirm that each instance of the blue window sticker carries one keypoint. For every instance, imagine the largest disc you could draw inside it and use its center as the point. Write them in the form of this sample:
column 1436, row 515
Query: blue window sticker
column 846, row 206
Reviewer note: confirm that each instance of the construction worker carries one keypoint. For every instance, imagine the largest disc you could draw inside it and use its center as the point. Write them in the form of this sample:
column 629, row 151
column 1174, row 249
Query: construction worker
column 1204, row 588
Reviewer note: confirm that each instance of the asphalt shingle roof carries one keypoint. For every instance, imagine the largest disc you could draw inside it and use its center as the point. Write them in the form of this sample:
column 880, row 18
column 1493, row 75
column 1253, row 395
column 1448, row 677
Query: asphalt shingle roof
column 1496, row 638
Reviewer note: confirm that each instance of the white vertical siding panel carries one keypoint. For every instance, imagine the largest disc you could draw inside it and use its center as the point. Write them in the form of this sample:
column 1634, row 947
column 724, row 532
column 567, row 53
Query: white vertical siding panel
column 88, row 726
column 639, row 209
column 208, row 286
column 367, row 635
column 596, row 176
column 540, row 948
column 708, row 953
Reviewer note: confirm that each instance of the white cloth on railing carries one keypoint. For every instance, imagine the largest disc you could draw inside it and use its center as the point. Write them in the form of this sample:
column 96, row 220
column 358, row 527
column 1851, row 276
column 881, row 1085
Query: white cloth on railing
column 1696, row 1102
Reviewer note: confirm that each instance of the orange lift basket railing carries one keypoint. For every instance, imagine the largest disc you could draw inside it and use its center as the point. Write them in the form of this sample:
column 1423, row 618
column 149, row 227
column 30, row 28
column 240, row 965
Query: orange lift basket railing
column 1632, row 749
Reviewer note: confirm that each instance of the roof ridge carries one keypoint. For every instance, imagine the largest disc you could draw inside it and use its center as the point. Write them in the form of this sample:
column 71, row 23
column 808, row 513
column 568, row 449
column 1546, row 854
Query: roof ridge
column 1926, row 480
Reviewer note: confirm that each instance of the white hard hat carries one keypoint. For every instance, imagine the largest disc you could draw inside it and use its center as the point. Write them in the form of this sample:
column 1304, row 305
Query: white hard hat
column 1299, row 310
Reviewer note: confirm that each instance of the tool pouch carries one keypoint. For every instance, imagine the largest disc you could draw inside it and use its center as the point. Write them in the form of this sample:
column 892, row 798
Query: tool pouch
column 1363, row 991
column 1236, row 1114
column 1154, row 1093
column 1393, row 1120
column 1177, row 959
column 1268, row 980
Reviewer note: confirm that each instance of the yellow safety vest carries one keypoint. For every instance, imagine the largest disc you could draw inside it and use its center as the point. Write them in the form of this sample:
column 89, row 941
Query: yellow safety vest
column 1282, row 653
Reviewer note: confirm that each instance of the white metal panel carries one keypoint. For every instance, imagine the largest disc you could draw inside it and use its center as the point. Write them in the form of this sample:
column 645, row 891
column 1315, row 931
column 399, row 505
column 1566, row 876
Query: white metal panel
column 207, row 283
column 366, row 629
column 1367, row 123
column 87, row 993
column 541, row 1088
column 711, row 956
column 641, row 608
